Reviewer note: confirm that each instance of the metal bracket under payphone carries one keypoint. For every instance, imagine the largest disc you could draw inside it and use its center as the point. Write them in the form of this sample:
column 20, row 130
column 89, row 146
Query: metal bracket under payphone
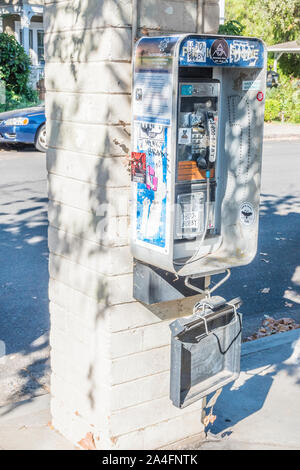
column 152, row 285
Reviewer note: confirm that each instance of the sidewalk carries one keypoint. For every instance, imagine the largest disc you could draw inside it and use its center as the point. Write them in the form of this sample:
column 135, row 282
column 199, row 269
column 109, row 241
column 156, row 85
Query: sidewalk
column 281, row 131
column 261, row 410
column 25, row 426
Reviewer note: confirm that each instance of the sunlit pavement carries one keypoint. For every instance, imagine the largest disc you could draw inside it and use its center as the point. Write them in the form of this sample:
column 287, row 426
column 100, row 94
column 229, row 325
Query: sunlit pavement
column 261, row 410
column 26, row 426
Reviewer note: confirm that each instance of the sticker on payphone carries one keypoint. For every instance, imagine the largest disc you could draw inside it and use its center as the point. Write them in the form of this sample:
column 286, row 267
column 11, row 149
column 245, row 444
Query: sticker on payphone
column 138, row 167
column 185, row 136
column 190, row 220
column 190, row 215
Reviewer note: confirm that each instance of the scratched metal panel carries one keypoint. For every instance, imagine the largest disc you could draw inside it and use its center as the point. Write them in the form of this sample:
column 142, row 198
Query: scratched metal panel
column 153, row 285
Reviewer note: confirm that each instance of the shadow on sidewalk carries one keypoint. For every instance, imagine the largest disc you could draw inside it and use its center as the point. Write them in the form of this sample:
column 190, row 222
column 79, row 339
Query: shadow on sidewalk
column 253, row 391
column 277, row 265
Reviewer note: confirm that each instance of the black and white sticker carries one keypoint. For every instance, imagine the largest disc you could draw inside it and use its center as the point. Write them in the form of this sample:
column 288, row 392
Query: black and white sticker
column 247, row 213
column 219, row 51
column 185, row 135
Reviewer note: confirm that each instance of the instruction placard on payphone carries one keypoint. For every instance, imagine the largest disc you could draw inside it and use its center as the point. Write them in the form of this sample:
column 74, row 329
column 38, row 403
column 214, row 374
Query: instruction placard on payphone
column 198, row 106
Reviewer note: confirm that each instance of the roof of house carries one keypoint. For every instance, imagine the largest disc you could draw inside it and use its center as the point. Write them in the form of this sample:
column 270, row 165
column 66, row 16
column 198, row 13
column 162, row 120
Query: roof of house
column 290, row 46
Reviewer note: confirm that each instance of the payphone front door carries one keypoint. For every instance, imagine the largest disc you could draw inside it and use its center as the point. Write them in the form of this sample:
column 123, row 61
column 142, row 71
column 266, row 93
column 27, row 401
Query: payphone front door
column 197, row 145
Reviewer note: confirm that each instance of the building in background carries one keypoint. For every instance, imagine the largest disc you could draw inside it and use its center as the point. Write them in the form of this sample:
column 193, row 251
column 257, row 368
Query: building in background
column 222, row 11
column 24, row 19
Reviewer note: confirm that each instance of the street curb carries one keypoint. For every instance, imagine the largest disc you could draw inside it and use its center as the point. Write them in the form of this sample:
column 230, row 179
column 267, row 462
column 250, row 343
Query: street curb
column 270, row 342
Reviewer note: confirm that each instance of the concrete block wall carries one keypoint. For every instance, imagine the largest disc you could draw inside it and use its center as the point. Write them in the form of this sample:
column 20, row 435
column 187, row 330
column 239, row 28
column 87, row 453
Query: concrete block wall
column 110, row 354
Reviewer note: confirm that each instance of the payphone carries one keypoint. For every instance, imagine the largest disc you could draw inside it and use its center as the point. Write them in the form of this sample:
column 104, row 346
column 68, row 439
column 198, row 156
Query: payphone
column 198, row 107
column 198, row 113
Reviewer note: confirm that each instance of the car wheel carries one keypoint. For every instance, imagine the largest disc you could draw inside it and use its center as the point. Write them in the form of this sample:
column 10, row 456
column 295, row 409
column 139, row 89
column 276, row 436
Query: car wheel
column 41, row 139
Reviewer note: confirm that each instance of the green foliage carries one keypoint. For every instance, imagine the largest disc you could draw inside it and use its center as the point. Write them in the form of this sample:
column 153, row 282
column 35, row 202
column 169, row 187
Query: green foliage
column 15, row 73
column 16, row 101
column 272, row 110
column 274, row 21
column 231, row 28
column 14, row 64
column 283, row 102
column 289, row 64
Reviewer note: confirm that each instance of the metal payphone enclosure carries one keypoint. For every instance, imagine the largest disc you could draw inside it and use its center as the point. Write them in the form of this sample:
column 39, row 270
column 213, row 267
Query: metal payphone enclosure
column 178, row 82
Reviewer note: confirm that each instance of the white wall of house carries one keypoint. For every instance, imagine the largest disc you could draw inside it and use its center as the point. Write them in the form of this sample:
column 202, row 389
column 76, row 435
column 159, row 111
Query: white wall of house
column 36, row 31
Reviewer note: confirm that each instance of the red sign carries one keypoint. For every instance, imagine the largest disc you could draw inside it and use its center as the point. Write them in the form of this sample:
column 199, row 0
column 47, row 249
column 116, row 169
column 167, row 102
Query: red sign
column 260, row 96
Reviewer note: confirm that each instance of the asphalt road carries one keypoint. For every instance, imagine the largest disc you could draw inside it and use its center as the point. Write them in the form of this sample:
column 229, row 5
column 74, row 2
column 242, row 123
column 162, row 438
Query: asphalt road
column 270, row 285
column 24, row 317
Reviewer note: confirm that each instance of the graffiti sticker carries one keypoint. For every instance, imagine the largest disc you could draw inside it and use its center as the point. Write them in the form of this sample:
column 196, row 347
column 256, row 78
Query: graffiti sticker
column 138, row 167
column 219, row 51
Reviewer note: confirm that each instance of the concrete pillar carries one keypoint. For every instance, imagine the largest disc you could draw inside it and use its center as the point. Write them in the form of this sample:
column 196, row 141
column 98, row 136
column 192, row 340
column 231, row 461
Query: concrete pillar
column 211, row 16
column 222, row 11
column 110, row 354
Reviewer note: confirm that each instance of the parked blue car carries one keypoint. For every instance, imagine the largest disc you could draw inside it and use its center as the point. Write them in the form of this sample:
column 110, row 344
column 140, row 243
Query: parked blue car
column 27, row 126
